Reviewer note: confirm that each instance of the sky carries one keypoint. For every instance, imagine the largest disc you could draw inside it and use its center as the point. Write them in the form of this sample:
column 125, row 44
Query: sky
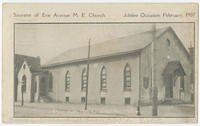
column 50, row 40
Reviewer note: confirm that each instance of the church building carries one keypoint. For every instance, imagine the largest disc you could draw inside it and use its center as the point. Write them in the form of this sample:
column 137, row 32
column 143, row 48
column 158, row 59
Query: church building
column 31, row 81
column 120, row 70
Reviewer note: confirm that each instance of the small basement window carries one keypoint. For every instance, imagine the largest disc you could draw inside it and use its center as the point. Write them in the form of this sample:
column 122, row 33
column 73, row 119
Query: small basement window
column 82, row 99
column 67, row 99
column 103, row 100
column 127, row 101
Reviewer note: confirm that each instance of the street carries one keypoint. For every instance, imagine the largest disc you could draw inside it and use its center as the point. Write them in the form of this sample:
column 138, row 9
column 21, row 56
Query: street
column 77, row 110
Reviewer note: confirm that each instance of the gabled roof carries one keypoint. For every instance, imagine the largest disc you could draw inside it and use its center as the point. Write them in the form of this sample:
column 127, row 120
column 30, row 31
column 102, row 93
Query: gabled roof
column 120, row 45
column 33, row 62
column 174, row 67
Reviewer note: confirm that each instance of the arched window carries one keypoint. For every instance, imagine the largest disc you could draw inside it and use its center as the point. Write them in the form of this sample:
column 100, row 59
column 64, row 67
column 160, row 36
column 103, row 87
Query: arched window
column 35, row 86
column 43, row 80
column 24, row 83
column 103, row 80
column 127, row 78
column 50, row 82
column 168, row 42
column 24, row 67
column 84, row 80
column 67, row 81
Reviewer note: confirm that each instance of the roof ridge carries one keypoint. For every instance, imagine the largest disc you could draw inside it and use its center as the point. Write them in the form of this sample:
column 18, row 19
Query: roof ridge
column 26, row 55
column 138, row 43
column 114, row 39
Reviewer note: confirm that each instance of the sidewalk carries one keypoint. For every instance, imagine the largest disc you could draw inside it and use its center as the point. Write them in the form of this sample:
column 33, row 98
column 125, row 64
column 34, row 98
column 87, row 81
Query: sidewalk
column 77, row 110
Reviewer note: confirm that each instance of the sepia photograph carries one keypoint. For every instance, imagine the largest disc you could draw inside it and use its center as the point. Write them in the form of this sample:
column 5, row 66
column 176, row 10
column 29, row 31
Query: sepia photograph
column 104, row 70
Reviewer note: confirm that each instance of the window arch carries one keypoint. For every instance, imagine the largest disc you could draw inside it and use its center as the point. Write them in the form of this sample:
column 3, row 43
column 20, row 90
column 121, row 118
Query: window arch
column 127, row 78
column 67, row 81
column 168, row 42
column 103, row 83
column 50, row 82
column 24, row 83
column 24, row 66
column 84, row 80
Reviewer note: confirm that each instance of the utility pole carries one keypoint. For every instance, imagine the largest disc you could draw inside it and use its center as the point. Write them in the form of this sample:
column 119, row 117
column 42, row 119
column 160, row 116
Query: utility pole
column 88, row 62
column 139, row 95
column 154, row 87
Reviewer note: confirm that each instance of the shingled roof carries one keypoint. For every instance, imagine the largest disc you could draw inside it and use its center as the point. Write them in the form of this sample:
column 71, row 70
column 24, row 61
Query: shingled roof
column 33, row 62
column 130, row 43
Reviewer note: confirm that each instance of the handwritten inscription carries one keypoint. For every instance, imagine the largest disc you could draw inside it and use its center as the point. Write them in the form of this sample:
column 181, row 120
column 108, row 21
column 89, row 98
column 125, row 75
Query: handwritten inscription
column 151, row 15
column 103, row 15
column 60, row 15
column 22, row 15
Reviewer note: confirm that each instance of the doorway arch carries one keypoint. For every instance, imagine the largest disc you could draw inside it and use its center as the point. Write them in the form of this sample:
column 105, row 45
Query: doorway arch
column 173, row 76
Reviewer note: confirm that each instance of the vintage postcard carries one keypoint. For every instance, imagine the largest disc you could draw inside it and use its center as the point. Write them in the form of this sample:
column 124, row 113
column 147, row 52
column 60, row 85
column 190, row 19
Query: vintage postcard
column 100, row 63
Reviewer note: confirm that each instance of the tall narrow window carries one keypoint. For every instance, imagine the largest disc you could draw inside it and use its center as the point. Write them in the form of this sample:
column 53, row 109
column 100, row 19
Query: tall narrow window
column 103, row 79
column 182, row 83
column 24, row 83
column 168, row 42
column 50, row 82
column 35, row 87
column 84, row 80
column 67, row 81
column 127, row 78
